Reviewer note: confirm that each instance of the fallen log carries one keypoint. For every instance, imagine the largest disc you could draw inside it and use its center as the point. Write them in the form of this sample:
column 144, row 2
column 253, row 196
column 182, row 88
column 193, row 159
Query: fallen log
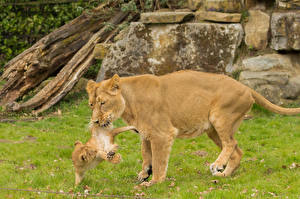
column 69, row 74
column 51, row 53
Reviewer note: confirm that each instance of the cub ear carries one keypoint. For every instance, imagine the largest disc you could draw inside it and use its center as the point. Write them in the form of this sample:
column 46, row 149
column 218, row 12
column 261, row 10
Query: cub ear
column 114, row 85
column 77, row 142
column 90, row 86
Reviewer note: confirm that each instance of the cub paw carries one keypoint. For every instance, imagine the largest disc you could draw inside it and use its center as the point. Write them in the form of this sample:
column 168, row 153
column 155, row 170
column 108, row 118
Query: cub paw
column 110, row 155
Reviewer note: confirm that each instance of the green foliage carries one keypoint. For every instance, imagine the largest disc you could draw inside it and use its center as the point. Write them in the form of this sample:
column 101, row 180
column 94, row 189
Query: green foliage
column 23, row 25
column 93, row 70
column 245, row 15
column 236, row 74
column 130, row 6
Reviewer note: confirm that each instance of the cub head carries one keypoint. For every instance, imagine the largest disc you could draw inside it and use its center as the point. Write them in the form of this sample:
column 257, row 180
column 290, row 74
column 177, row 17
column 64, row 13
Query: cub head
column 86, row 157
column 106, row 101
column 82, row 158
column 83, row 155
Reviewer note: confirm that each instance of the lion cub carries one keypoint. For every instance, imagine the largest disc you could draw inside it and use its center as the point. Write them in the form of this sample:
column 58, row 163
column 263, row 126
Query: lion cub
column 98, row 148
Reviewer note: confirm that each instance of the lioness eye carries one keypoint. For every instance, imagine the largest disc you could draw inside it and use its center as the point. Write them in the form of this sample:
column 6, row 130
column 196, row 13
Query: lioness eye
column 91, row 104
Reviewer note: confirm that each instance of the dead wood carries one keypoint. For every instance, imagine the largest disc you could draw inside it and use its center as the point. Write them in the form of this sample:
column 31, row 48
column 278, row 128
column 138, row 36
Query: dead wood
column 69, row 74
column 50, row 54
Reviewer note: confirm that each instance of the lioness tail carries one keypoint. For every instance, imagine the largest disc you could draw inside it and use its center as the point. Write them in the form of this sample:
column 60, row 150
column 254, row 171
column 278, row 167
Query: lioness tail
column 259, row 99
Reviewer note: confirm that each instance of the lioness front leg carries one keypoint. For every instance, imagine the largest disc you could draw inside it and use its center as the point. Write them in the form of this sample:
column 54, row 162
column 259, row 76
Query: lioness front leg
column 161, row 148
column 147, row 161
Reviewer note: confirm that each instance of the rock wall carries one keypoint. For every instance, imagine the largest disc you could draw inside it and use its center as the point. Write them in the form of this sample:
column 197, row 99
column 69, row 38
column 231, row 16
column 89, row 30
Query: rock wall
column 250, row 40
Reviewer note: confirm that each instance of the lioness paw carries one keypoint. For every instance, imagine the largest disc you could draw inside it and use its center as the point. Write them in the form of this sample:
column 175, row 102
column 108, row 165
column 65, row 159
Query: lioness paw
column 215, row 168
column 143, row 176
column 147, row 184
column 219, row 174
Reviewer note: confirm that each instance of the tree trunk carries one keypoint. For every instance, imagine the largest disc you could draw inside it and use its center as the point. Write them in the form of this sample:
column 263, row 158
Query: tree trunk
column 69, row 74
column 50, row 54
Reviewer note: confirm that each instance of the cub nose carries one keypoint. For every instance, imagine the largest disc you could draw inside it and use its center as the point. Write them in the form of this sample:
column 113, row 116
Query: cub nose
column 96, row 121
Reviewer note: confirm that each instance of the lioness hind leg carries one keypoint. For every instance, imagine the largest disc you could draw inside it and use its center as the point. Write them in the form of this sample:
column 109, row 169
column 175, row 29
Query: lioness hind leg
column 235, row 157
column 147, row 161
column 225, row 130
column 234, row 162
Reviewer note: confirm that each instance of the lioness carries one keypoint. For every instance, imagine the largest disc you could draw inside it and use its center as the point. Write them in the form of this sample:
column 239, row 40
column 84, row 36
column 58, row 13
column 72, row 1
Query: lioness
column 182, row 104
column 98, row 148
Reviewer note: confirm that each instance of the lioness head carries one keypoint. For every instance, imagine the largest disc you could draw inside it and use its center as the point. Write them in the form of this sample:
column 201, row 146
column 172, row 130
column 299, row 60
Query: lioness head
column 106, row 100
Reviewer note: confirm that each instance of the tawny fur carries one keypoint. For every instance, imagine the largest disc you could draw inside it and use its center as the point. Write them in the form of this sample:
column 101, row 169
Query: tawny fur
column 178, row 105
column 98, row 148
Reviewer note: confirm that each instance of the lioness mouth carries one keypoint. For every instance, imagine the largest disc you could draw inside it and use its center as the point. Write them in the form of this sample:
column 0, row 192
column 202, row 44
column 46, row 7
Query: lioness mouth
column 106, row 124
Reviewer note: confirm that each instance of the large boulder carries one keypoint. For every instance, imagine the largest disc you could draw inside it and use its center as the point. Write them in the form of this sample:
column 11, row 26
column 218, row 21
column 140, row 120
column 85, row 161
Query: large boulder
column 256, row 30
column 285, row 28
column 275, row 62
column 160, row 49
column 275, row 76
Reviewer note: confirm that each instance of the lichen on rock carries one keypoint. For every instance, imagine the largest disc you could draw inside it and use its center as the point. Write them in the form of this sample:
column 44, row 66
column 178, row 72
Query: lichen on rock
column 160, row 49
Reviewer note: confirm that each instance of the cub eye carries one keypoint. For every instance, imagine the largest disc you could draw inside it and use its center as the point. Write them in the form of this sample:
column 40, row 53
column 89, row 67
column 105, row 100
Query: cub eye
column 102, row 103
column 91, row 104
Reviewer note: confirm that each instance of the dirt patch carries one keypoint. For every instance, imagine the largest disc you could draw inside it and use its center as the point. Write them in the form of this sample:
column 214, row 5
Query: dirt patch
column 200, row 153
column 28, row 138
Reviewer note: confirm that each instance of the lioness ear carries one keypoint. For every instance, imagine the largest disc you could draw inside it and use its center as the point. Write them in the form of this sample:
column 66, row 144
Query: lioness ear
column 77, row 142
column 114, row 85
column 90, row 85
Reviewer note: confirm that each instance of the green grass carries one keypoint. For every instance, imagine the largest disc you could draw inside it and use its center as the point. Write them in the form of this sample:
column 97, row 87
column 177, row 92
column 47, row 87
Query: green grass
column 270, row 143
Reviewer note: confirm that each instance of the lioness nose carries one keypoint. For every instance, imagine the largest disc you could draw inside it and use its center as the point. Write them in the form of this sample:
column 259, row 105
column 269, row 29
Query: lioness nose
column 96, row 121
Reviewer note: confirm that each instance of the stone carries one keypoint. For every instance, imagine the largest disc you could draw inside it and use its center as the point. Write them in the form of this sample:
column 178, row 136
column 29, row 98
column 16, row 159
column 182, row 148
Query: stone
column 271, row 77
column 285, row 29
column 217, row 16
column 165, row 17
column 101, row 50
column 275, row 76
column 157, row 49
column 230, row 6
column 268, row 62
column 255, row 4
column 195, row 4
column 256, row 30
column 249, row 3
column 288, row 4
column 292, row 90
column 271, row 93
